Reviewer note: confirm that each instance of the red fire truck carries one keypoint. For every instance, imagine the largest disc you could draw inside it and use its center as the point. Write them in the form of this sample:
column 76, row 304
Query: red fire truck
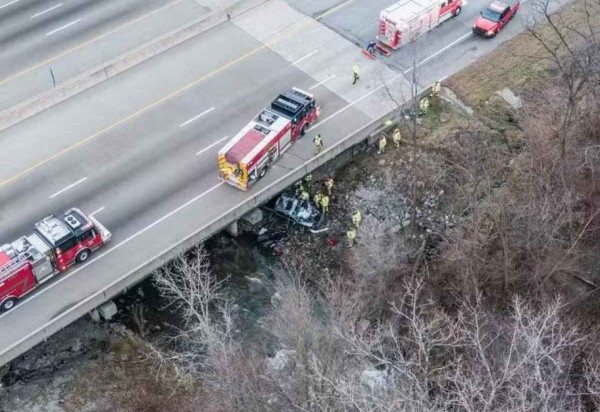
column 55, row 244
column 402, row 22
column 247, row 156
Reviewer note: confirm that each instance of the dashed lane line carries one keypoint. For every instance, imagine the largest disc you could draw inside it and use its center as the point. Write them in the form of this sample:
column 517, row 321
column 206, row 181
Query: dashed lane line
column 72, row 185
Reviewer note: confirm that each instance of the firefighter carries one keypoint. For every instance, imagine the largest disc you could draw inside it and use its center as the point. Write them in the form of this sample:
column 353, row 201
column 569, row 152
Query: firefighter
column 307, row 179
column 325, row 203
column 382, row 144
column 396, row 137
column 298, row 187
column 304, row 195
column 351, row 235
column 424, row 105
column 371, row 47
column 355, row 74
column 318, row 141
column 317, row 198
column 436, row 87
column 356, row 218
column 329, row 184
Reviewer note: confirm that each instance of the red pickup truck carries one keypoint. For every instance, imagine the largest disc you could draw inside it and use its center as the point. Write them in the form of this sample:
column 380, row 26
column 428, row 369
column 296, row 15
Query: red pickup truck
column 494, row 17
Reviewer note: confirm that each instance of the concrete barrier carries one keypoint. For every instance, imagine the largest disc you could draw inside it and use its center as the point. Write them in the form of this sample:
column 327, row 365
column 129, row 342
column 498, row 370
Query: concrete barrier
column 133, row 277
column 90, row 78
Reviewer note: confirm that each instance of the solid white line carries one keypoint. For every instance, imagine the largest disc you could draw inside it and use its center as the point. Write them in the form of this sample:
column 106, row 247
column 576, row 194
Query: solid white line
column 50, row 33
column 443, row 49
column 98, row 257
column 197, row 117
column 46, row 11
column 9, row 4
column 392, row 80
column 305, row 57
column 72, row 185
column 215, row 143
column 321, row 82
column 97, row 211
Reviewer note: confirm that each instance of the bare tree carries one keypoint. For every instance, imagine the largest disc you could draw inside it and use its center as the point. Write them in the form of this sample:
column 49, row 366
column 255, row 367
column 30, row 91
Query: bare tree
column 571, row 43
column 189, row 288
column 408, row 109
column 137, row 311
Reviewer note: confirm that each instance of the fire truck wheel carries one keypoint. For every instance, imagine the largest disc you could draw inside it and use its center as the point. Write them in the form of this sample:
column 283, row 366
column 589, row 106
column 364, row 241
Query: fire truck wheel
column 8, row 304
column 457, row 11
column 304, row 129
column 83, row 255
column 262, row 172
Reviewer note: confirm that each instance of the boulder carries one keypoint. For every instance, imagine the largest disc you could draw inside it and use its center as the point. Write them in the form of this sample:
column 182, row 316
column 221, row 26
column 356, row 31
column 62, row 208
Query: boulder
column 254, row 217
column 108, row 310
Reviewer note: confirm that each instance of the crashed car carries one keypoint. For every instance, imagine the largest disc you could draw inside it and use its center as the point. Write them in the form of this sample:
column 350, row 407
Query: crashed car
column 298, row 211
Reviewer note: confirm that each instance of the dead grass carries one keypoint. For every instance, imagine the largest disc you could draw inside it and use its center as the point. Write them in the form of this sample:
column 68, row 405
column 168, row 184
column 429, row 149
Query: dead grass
column 517, row 64
column 122, row 380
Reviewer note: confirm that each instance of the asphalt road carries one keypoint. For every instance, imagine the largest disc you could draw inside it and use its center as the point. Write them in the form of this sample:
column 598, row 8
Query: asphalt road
column 33, row 30
column 129, row 152
column 443, row 50
column 49, row 42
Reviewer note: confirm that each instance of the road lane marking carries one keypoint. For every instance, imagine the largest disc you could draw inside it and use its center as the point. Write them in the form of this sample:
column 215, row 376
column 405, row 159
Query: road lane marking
column 46, row 11
column 95, row 212
column 277, row 37
column 50, row 33
column 360, row 99
column 72, row 185
column 9, row 4
column 443, row 49
column 321, row 82
column 151, row 105
column 86, row 43
column 305, row 57
column 334, row 9
column 196, row 117
column 100, row 256
column 214, row 144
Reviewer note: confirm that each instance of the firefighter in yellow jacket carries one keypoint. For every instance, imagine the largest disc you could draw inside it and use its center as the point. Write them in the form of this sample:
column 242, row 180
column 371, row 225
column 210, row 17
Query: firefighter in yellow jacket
column 325, row 203
column 397, row 137
column 382, row 144
column 356, row 218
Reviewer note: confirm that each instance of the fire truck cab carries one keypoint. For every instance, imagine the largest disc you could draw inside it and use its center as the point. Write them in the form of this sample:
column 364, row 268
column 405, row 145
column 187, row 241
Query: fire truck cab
column 55, row 244
column 247, row 157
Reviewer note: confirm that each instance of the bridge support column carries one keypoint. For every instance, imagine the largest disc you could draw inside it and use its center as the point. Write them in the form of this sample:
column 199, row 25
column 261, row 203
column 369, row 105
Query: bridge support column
column 232, row 228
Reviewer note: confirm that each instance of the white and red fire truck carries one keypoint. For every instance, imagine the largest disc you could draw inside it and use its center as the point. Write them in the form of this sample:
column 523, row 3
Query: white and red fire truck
column 402, row 22
column 55, row 244
column 246, row 157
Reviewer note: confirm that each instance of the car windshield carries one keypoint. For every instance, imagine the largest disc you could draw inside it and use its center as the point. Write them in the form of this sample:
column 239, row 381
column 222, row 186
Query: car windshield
column 490, row 14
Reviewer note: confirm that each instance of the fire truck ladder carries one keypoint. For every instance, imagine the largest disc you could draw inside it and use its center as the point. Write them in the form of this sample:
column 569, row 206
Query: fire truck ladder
column 14, row 263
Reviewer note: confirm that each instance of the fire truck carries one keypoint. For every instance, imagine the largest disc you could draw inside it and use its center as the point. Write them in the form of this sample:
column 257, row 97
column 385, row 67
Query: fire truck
column 402, row 22
column 56, row 243
column 247, row 157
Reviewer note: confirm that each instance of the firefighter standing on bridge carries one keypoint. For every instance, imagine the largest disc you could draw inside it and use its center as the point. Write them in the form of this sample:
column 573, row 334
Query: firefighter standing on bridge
column 355, row 74
column 318, row 141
